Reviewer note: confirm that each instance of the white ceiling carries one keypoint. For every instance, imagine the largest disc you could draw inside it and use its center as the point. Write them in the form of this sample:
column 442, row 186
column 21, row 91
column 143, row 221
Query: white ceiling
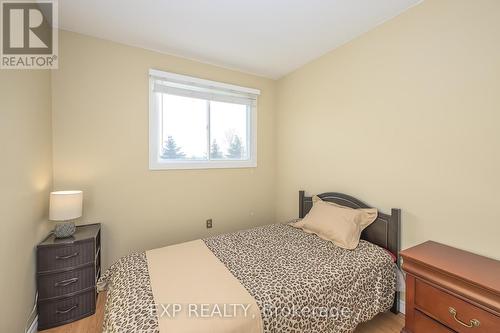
column 265, row 37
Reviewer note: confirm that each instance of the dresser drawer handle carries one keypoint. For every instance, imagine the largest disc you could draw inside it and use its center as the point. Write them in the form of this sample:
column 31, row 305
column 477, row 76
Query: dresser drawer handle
column 67, row 257
column 472, row 323
column 67, row 310
column 65, row 283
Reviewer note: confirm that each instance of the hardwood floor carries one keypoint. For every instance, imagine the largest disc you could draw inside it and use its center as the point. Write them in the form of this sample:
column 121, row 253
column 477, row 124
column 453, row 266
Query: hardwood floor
column 386, row 322
column 383, row 323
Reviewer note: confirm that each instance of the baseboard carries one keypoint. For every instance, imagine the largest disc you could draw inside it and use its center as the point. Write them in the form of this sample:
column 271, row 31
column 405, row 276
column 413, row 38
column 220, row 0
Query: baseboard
column 402, row 306
column 34, row 326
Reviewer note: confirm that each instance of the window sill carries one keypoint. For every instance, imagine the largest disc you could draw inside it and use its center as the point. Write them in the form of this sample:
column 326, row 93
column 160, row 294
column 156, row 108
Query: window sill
column 201, row 165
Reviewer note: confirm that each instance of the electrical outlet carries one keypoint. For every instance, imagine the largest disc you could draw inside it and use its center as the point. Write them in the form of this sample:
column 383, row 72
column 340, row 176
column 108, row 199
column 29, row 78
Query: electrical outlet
column 209, row 223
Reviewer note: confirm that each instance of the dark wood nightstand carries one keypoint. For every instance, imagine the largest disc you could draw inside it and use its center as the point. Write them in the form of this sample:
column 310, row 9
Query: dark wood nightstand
column 67, row 272
column 450, row 290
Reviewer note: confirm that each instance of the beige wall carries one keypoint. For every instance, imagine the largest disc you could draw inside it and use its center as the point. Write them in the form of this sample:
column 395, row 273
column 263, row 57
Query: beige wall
column 405, row 116
column 25, row 181
column 100, row 119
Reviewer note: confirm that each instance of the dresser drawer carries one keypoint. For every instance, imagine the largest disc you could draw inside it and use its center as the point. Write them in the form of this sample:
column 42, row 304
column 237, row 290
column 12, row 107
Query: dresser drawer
column 63, row 283
column 438, row 303
column 65, row 256
column 424, row 324
column 54, row 313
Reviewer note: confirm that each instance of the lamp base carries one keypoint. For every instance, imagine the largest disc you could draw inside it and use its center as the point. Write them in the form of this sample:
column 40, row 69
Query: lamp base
column 64, row 229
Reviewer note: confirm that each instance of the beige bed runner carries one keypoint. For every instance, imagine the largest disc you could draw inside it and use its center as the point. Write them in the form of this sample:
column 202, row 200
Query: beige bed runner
column 194, row 292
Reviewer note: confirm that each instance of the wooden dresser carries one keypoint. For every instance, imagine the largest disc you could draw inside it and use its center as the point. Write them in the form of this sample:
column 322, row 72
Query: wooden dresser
column 450, row 290
column 67, row 271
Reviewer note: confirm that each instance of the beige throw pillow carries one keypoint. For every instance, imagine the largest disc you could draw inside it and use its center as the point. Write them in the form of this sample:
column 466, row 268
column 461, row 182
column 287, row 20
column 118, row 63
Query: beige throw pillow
column 339, row 224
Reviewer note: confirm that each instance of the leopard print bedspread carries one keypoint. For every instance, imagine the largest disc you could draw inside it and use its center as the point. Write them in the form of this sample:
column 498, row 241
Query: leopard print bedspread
column 130, row 306
column 304, row 284
column 300, row 282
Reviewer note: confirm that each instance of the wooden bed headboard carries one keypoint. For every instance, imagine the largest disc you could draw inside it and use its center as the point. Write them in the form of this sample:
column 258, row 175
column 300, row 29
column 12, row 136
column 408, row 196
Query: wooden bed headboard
column 384, row 231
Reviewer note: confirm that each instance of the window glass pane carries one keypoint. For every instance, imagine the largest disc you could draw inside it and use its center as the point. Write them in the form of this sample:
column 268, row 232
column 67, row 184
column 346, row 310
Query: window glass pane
column 228, row 131
column 184, row 128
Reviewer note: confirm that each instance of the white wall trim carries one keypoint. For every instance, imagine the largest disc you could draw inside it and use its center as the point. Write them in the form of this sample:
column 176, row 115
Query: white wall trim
column 34, row 326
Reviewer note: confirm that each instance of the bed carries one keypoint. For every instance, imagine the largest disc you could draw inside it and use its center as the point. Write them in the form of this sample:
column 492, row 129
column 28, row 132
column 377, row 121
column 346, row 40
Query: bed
column 273, row 278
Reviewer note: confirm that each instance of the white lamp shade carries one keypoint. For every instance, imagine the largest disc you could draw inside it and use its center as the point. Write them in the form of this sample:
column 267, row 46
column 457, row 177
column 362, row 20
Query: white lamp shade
column 65, row 205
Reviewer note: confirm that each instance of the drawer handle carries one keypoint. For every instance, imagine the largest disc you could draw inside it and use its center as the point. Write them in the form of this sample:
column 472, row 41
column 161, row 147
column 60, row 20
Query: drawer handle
column 67, row 310
column 67, row 257
column 65, row 283
column 472, row 323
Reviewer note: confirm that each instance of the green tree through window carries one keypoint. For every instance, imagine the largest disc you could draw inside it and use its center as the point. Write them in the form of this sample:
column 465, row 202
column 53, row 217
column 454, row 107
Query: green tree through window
column 170, row 150
column 215, row 151
column 235, row 149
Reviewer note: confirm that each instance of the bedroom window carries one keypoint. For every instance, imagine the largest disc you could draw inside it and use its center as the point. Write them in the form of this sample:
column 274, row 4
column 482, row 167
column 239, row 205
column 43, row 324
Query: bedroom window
column 197, row 124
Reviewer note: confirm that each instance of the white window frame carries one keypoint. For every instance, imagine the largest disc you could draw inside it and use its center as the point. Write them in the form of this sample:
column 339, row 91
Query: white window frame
column 233, row 91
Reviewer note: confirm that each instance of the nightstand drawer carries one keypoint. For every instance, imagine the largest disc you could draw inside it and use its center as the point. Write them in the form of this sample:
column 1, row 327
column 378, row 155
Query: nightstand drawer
column 59, row 284
column 66, row 276
column 424, row 324
column 454, row 312
column 65, row 256
column 54, row 313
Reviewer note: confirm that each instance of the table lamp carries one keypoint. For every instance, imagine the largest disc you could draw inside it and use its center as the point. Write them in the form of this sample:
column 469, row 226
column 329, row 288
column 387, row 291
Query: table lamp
column 65, row 206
